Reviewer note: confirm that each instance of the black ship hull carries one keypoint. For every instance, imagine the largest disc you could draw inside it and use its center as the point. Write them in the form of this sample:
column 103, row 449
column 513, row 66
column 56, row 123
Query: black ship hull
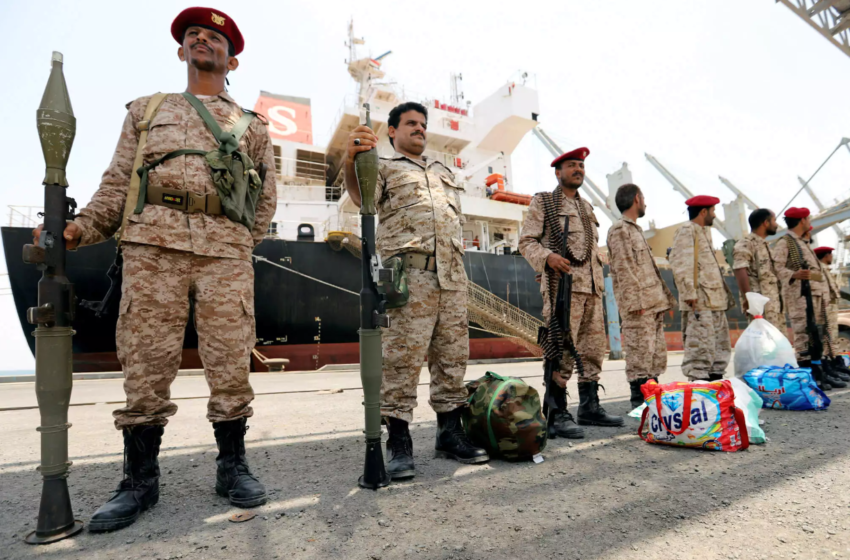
column 311, row 319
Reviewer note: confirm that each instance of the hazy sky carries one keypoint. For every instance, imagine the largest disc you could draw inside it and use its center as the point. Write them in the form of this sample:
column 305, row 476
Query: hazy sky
column 739, row 88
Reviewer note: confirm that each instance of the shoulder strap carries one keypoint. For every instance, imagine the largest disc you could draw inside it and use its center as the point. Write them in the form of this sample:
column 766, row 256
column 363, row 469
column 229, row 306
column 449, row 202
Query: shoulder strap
column 133, row 191
column 242, row 125
column 205, row 115
column 229, row 141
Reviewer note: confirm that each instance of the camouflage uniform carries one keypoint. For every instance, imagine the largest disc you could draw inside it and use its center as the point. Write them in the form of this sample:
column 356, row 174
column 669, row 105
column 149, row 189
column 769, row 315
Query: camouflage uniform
column 707, row 344
column 586, row 318
column 794, row 299
column 172, row 256
column 638, row 286
column 419, row 212
column 753, row 254
column 832, row 304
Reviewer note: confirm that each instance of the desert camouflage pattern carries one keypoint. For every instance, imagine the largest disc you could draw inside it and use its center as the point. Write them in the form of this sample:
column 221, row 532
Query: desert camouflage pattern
column 754, row 254
column 636, row 278
column 712, row 294
column 832, row 304
column 433, row 324
column 534, row 246
column 419, row 212
column 158, row 286
column 505, row 417
column 707, row 345
column 587, row 324
column 175, row 126
column 644, row 345
column 794, row 299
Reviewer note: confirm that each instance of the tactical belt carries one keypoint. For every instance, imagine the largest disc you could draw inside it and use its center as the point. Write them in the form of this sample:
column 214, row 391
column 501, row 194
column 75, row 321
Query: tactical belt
column 420, row 261
column 186, row 201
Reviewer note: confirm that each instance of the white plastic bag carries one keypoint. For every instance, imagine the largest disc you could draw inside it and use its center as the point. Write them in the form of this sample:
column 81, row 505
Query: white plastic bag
column 761, row 344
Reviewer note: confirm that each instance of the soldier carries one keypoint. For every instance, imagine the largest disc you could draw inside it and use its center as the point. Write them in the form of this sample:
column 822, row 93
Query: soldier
column 795, row 261
column 755, row 270
column 703, row 295
column 642, row 295
column 539, row 245
column 824, row 255
column 420, row 220
column 177, row 249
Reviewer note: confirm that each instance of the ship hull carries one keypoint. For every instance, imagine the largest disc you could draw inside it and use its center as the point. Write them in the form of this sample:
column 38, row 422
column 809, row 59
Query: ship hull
column 310, row 319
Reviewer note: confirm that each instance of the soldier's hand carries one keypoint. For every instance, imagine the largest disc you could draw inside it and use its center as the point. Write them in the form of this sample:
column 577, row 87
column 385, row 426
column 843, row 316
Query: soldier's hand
column 367, row 138
column 691, row 302
column 558, row 263
column 72, row 234
column 559, row 379
column 802, row 275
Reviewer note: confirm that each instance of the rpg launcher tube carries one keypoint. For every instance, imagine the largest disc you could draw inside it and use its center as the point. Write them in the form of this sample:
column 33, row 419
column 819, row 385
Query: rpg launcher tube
column 366, row 167
column 371, row 363
column 53, row 316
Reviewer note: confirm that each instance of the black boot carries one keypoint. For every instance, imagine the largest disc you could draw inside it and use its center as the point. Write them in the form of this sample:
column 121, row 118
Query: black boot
column 452, row 442
column 561, row 424
column 817, row 374
column 636, row 398
column 140, row 488
column 399, row 450
column 715, row 377
column 590, row 412
column 841, row 371
column 830, row 377
column 233, row 479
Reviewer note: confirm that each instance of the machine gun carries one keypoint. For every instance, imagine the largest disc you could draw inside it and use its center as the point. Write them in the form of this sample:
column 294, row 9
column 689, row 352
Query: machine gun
column 555, row 397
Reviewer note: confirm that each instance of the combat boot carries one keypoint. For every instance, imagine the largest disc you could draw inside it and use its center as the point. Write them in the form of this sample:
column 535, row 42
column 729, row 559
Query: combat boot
column 399, row 450
column 590, row 412
column 817, row 374
column 140, row 488
column 560, row 423
column 233, row 479
column 830, row 377
column 841, row 371
column 452, row 441
column 636, row 398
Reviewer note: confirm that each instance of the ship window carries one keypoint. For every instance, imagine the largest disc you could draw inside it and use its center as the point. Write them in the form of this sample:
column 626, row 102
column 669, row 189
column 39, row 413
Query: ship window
column 490, row 170
column 277, row 160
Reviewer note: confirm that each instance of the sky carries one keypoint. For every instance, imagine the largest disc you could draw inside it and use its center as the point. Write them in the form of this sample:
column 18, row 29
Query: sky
column 738, row 88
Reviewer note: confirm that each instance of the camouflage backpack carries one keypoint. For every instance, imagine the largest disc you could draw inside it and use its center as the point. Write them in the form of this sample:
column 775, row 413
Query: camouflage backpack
column 504, row 417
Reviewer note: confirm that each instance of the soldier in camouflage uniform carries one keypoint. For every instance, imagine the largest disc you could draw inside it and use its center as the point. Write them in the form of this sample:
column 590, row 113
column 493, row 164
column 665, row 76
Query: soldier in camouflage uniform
column 703, row 294
column 840, row 370
column 587, row 322
column 642, row 295
column 755, row 270
column 172, row 257
column 420, row 219
column 795, row 261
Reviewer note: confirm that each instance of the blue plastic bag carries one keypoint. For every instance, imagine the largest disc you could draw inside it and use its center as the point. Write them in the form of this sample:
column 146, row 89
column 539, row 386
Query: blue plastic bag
column 786, row 388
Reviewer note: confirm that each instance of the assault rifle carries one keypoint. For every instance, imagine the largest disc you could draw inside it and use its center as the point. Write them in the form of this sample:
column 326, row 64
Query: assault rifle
column 815, row 350
column 562, row 311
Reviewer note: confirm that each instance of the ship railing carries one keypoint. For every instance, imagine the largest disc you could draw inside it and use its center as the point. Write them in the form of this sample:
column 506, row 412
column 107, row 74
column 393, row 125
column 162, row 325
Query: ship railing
column 350, row 100
column 499, row 317
column 24, row 216
column 295, row 170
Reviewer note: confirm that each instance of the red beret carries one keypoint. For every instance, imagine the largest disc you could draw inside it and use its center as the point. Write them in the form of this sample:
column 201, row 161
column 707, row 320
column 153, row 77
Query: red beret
column 798, row 213
column 703, row 200
column 578, row 153
column 211, row 19
column 821, row 251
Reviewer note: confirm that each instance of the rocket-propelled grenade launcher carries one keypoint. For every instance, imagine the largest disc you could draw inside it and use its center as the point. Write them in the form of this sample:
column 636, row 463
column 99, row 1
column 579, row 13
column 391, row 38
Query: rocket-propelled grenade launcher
column 53, row 359
column 372, row 316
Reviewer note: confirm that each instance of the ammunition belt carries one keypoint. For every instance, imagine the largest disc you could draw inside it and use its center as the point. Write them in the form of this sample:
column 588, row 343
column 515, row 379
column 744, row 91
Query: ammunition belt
column 185, row 201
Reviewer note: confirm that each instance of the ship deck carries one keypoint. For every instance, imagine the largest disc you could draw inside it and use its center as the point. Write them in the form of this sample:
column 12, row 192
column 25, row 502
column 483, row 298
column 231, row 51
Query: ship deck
column 608, row 496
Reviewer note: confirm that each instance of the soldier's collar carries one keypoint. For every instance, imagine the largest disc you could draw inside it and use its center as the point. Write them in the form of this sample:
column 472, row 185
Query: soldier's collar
column 226, row 96
column 423, row 163
column 629, row 220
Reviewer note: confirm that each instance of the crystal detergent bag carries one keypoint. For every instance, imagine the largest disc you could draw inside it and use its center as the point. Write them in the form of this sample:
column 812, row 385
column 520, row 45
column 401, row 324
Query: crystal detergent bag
column 787, row 388
column 761, row 344
column 701, row 415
